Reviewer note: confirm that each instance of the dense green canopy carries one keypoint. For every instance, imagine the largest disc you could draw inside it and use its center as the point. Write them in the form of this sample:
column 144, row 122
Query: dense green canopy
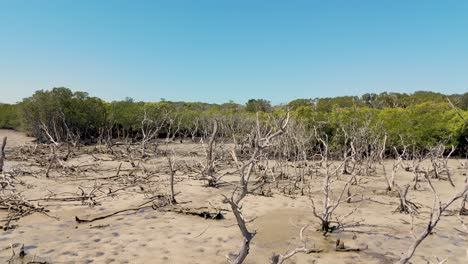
column 421, row 118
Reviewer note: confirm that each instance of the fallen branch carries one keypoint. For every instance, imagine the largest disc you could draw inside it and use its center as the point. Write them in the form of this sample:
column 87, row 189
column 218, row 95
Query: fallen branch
column 79, row 220
column 18, row 207
column 204, row 212
column 340, row 247
column 278, row 258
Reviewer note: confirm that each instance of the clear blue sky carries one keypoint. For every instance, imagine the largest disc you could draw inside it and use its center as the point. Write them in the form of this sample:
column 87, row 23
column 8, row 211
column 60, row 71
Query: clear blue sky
column 216, row 51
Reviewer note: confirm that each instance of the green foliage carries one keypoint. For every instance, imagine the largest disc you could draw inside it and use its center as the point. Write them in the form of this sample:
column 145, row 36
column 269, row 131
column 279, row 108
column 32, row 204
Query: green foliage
column 258, row 105
column 9, row 116
column 295, row 104
column 126, row 114
column 424, row 124
column 327, row 104
column 60, row 113
column 422, row 119
column 463, row 104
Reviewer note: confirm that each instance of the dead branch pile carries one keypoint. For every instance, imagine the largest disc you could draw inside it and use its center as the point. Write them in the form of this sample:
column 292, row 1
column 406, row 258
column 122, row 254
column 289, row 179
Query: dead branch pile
column 17, row 206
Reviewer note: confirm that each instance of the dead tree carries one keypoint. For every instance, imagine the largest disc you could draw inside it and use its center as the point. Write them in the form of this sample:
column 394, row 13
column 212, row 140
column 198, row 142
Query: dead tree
column 149, row 129
column 194, row 129
column 173, row 169
column 245, row 170
column 329, row 203
column 177, row 130
column 52, row 160
column 405, row 206
column 347, row 151
column 2, row 154
column 208, row 171
column 301, row 140
column 172, row 128
column 46, row 130
column 359, row 139
column 105, row 136
column 390, row 182
column 438, row 208
column 440, row 163
column 416, row 160
column 396, row 164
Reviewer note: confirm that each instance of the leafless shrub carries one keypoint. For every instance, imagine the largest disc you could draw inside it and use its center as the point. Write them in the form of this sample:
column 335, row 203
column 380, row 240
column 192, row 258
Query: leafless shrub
column 330, row 202
column 208, row 172
column 150, row 128
column 440, row 162
column 173, row 124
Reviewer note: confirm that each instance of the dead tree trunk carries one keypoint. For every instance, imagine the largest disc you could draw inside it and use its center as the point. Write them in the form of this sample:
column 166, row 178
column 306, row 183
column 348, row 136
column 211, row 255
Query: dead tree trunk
column 463, row 210
column 415, row 168
column 173, row 169
column 2, row 154
column 52, row 160
column 405, row 206
column 440, row 163
column 390, row 181
column 209, row 168
column 396, row 165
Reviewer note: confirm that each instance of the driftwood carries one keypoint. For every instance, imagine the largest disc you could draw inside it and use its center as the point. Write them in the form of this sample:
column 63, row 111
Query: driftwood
column 340, row 247
column 18, row 207
column 64, row 199
column 204, row 212
column 82, row 220
column 279, row 258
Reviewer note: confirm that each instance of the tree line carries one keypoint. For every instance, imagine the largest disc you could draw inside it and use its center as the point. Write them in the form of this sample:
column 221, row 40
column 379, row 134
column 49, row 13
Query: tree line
column 422, row 119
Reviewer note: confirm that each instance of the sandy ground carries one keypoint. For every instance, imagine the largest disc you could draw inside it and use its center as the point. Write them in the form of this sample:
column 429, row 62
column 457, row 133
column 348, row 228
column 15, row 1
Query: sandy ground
column 152, row 236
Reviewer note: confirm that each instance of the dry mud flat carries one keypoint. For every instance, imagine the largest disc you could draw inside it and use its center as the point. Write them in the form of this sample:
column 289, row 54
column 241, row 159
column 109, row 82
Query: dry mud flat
column 161, row 236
